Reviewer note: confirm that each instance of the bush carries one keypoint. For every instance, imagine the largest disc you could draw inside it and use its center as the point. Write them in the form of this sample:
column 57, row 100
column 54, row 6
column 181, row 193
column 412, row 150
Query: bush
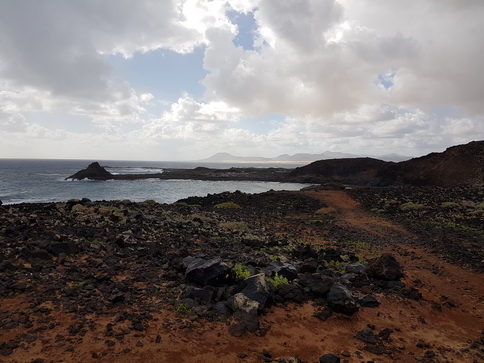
column 234, row 226
column 410, row 206
column 278, row 280
column 184, row 309
column 241, row 272
column 449, row 205
column 227, row 205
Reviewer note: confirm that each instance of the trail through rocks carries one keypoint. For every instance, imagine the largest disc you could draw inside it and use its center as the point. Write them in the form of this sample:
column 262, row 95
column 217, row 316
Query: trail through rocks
column 446, row 326
column 350, row 213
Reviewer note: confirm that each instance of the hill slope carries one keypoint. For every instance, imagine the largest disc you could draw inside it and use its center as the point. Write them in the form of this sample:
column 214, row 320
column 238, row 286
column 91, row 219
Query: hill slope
column 462, row 164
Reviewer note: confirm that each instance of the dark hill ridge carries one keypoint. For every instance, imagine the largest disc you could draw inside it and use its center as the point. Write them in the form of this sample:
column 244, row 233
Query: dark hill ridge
column 361, row 171
column 462, row 164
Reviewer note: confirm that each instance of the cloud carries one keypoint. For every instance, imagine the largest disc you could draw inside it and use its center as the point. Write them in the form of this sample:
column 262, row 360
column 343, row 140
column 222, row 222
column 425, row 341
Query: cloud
column 325, row 57
column 341, row 74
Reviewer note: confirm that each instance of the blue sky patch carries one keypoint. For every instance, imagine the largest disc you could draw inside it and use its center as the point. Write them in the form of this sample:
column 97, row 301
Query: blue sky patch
column 386, row 80
column 261, row 125
column 164, row 73
column 247, row 27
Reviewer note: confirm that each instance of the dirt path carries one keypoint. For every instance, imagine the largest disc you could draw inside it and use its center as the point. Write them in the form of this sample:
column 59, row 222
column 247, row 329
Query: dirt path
column 350, row 213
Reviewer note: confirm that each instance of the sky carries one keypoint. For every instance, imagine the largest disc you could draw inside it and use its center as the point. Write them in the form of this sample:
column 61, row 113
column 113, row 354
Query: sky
column 185, row 79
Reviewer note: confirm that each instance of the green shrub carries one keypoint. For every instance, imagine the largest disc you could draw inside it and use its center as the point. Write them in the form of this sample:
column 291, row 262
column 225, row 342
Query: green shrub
column 227, row 205
column 241, row 272
column 184, row 309
column 449, row 205
column 337, row 266
column 411, row 206
column 234, row 226
column 278, row 280
column 479, row 205
column 150, row 202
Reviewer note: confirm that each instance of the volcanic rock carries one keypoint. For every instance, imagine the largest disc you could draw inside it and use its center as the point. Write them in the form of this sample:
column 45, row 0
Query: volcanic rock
column 385, row 267
column 257, row 289
column 203, row 296
column 368, row 301
column 341, row 300
column 318, row 284
column 282, row 269
column 211, row 272
column 329, row 358
column 356, row 268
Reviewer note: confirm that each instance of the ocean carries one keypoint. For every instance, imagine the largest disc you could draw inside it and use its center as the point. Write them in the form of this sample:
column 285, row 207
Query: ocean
column 39, row 180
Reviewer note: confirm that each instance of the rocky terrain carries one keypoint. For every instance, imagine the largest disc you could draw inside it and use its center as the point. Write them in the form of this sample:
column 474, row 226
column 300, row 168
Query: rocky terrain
column 320, row 275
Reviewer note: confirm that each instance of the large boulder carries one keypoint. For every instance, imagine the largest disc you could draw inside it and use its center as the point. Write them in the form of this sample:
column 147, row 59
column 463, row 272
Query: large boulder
column 245, row 313
column 211, row 272
column 257, row 289
column 94, row 171
column 385, row 267
column 282, row 269
column 341, row 300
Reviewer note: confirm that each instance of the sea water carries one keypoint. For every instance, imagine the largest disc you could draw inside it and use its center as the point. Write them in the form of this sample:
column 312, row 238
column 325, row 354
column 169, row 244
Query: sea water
column 38, row 180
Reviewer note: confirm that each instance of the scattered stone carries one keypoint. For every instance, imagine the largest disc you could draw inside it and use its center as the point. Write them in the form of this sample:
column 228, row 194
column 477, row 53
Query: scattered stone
column 309, row 266
column 203, row 296
column 384, row 334
column 366, row 336
column 324, row 314
column 6, row 266
column 385, row 267
column 356, row 268
column 368, row 301
column 341, row 301
column 237, row 330
column 67, row 248
column 318, row 284
column 329, row 358
column 294, row 359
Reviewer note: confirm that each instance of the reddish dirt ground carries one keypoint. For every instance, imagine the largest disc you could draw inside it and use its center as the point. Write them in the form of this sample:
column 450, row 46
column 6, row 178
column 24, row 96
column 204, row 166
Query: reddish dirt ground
column 443, row 327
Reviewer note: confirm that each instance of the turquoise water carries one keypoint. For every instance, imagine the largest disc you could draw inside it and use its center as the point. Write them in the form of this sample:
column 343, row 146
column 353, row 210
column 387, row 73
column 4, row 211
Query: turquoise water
column 27, row 181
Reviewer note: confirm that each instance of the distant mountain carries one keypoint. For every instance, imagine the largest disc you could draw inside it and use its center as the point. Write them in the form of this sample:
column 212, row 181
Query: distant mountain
column 226, row 157
column 300, row 158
